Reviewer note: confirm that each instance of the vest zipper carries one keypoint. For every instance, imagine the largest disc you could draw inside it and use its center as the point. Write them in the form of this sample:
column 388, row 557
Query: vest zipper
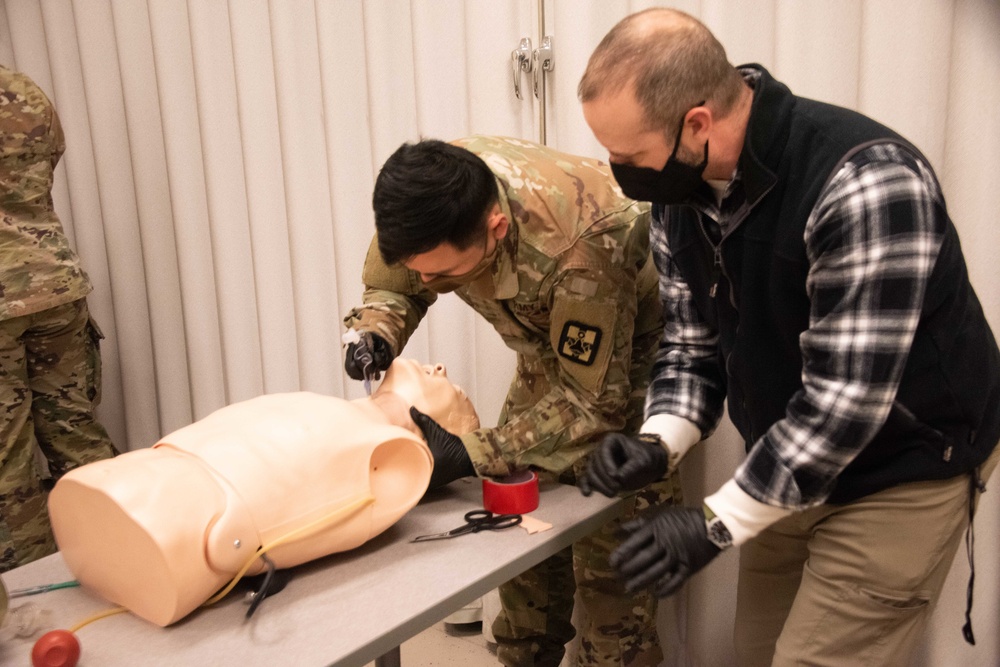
column 716, row 271
column 718, row 268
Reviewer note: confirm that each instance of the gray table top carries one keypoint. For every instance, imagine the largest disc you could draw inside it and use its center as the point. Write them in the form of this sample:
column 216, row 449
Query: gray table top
column 344, row 610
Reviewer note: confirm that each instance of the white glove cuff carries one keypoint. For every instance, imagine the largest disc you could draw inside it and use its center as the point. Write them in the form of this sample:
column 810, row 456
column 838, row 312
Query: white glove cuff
column 677, row 433
column 742, row 514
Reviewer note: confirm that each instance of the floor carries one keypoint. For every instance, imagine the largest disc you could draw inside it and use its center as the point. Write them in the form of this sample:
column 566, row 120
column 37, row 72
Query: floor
column 447, row 645
column 459, row 642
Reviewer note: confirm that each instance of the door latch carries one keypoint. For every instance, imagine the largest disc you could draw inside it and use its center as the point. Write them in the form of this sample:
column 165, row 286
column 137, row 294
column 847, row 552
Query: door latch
column 544, row 60
column 520, row 61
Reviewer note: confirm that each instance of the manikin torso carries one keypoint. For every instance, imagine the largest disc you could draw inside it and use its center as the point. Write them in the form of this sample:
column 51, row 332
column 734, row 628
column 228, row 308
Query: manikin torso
column 296, row 475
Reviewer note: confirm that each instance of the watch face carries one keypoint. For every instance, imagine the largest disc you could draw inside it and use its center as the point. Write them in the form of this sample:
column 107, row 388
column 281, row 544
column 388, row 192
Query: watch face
column 718, row 534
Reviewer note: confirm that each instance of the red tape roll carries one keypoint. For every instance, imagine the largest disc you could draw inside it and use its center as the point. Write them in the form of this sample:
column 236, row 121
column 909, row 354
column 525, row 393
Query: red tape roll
column 515, row 494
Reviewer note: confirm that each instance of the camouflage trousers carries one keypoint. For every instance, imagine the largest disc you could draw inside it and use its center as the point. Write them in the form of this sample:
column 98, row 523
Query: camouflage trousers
column 50, row 377
column 617, row 628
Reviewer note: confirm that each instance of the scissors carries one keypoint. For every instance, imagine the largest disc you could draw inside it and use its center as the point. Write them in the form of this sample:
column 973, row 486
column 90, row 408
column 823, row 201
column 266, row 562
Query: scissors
column 475, row 521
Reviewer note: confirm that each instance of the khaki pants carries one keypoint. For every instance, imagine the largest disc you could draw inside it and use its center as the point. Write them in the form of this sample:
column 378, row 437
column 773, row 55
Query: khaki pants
column 851, row 584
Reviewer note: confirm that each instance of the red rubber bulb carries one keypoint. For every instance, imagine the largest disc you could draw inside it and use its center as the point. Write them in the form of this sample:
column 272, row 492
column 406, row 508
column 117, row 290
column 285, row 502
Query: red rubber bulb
column 56, row 648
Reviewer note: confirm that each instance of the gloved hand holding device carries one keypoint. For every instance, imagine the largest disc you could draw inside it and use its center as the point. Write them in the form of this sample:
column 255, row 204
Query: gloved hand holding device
column 451, row 460
column 370, row 349
column 625, row 463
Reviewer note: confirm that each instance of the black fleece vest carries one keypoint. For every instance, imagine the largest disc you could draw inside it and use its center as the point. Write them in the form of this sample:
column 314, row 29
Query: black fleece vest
column 946, row 417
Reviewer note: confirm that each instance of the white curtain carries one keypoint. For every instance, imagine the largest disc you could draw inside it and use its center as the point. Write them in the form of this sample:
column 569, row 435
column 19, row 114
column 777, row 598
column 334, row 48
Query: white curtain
column 221, row 156
column 217, row 181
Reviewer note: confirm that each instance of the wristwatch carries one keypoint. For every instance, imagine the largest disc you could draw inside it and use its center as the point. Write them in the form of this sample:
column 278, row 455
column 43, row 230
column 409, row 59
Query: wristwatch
column 655, row 440
column 651, row 439
column 716, row 531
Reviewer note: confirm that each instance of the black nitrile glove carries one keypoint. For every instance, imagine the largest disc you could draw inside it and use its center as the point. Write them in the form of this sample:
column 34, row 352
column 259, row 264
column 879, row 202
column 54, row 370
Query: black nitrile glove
column 663, row 550
column 371, row 349
column 624, row 463
column 451, row 460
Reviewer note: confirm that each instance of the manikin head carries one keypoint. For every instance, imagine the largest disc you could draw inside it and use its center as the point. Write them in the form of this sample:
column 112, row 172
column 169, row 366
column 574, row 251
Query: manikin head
column 407, row 382
column 437, row 213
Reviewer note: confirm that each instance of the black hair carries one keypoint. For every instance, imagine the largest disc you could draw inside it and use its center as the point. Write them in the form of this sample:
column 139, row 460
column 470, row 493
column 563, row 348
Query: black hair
column 429, row 193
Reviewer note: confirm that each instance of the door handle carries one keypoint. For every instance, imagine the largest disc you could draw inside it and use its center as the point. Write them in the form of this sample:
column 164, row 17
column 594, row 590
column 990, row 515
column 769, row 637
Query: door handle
column 544, row 61
column 520, row 61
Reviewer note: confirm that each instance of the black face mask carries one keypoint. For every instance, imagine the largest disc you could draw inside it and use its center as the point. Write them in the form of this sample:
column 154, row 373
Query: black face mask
column 673, row 184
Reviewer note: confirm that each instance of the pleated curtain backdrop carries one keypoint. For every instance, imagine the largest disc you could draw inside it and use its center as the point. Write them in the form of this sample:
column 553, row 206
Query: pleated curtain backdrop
column 221, row 156
column 219, row 172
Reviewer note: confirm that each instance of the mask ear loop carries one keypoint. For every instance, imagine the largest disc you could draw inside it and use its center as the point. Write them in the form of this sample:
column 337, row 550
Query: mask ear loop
column 680, row 131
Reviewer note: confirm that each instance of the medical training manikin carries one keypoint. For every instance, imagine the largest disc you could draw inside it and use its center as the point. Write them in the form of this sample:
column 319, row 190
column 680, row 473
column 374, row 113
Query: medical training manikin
column 295, row 475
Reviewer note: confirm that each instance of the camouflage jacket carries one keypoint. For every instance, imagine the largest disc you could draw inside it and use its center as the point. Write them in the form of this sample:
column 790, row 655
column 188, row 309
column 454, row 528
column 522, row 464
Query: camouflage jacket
column 572, row 291
column 38, row 269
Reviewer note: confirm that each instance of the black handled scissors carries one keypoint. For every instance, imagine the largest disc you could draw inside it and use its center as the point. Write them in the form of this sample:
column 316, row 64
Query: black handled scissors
column 475, row 521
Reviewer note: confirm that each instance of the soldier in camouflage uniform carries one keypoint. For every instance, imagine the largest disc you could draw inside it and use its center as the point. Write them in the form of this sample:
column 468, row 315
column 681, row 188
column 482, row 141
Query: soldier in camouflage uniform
column 557, row 260
column 49, row 353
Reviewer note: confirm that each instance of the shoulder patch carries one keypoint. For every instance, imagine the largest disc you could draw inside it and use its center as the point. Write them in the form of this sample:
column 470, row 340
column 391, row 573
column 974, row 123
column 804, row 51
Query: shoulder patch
column 579, row 342
column 583, row 338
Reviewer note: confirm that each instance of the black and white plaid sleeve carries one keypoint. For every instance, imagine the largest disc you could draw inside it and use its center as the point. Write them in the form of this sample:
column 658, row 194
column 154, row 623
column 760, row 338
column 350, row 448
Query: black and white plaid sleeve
column 686, row 378
column 872, row 241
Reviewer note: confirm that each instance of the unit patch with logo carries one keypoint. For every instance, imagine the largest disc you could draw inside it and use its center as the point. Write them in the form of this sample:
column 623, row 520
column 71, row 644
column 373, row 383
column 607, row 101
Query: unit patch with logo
column 579, row 342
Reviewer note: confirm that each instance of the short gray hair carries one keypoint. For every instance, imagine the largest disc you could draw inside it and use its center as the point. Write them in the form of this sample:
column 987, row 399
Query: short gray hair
column 673, row 61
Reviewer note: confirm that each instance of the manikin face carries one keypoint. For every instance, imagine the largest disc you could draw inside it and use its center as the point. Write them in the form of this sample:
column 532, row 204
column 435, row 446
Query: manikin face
column 430, row 391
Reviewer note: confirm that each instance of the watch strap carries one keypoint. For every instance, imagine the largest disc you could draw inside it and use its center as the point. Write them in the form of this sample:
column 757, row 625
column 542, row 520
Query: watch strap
column 716, row 530
column 656, row 440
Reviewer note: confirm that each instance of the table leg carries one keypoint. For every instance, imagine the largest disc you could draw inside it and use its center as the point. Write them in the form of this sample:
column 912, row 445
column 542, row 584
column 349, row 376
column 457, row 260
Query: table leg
column 389, row 659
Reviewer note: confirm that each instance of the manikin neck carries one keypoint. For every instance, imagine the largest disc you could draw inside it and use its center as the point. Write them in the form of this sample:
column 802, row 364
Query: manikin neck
column 388, row 408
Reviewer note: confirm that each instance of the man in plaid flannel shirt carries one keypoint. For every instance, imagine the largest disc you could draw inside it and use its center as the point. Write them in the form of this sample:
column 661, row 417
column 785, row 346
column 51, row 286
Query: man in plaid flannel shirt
column 809, row 274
